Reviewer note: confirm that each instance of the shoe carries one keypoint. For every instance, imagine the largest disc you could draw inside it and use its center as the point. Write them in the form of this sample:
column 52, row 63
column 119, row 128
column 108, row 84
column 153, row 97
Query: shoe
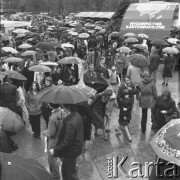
column 105, row 138
column 107, row 130
column 143, row 132
column 166, row 84
column 163, row 83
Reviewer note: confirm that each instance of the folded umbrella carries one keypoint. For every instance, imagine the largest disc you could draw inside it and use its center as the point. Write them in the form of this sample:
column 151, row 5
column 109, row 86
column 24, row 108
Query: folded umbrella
column 131, row 40
column 138, row 60
column 40, row 68
column 10, row 49
column 12, row 60
column 166, row 143
column 10, row 121
column 28, row 53
column 24, row 46
column 70, row 60
column 15, row 166
column 15, row 75
column 61, row 95
column 170, row 50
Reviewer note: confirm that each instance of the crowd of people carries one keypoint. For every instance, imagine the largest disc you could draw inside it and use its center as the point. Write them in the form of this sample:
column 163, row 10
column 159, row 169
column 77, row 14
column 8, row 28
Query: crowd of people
column 70, row 126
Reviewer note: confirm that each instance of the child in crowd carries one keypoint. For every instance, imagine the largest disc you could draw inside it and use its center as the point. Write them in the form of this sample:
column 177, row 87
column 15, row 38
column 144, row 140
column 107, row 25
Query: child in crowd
column 125, row 105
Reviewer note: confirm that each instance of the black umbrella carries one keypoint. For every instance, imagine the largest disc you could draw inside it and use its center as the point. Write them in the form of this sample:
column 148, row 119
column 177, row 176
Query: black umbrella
column 99, row 85
column 159, row 42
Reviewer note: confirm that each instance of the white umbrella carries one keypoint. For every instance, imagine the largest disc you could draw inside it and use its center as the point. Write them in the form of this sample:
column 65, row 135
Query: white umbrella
column 28, row 53
column 24, row 46
column 73, row 33
column 172, row 40
column 67, row 45
column 49, row 63
column 10, row 49
column 20, row 31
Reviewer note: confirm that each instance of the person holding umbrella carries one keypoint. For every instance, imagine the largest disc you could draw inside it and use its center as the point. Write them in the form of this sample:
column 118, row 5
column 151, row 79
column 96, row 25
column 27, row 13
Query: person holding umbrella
column 98, row 106
column 70, row 143
column 147, row 97
column 167, row 70
column 34, row 109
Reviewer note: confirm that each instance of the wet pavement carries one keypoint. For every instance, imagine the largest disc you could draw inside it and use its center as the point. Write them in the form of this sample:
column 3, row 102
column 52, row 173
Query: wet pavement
column 92, row 165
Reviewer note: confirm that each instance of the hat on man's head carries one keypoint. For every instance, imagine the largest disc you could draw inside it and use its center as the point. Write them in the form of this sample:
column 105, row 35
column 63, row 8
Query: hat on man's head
column 125, row 92
column 108, row 92
column 113, row 68
column 48, row 79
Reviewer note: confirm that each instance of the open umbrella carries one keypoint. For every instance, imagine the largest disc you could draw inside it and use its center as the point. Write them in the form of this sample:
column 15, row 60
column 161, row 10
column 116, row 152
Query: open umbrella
column 98, row 28
column 166, row 143
column 83, row 35
column 20, row 31
column 45, row 46
column 10, row 121
column 170, row 50
column 172, row 40
column 102, row 31
column 20, row 35
column 131, row 40
column 159, row 42
column 24, row 46
column 67, row 45
column 15, row 75
column 49, row 63
column 12, row 60
column 139, row 46
column 10, row 49
column 3, row 37
column 73, row 33
column 70, row 60
column 28, row 53
column 143, row 36
column 65, row 35
column 61, row 95
column 51, row 40
column 138, row 60
column 40, row 68
column 15, row 166
column 125, row 49
column 129, row 35
column 115, row 34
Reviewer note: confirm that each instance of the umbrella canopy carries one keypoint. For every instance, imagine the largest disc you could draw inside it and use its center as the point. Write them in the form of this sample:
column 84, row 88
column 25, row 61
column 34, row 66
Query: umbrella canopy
column 70, row 60
column 51, row 40
column 20, row 35
column 131, row 40
column 130, row 35
column 61, row 95
column 125, row 49
column 10, row 49
column 139, row 46
column 12, row 60
column 40, row 68
column 172, row 40
column 62, row 28
column 115, row 34
column 30, row 39
column 3, row 37
column 171, row 50
column 143, row 36
column 67, row 45
column 20, row 31
column 102, row 31
column 138, row 60
column 10, row 121
column 98, row 28
column 159, row 42
column 15, row 75
column 28, row 53
column 49, row 63
column 45, row 46
column 24, row 46
column 16, row 166
column 83, row 35
column 166, row 143
column 99, row 84
column 73, row 33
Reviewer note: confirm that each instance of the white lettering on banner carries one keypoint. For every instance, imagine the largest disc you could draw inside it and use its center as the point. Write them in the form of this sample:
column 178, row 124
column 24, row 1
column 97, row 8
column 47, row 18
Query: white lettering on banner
column 145, row 25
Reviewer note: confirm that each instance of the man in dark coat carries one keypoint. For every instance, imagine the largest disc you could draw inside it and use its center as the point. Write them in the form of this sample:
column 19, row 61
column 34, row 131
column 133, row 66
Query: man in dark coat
column 8, row 95
column 70, row 143
column 57, row 75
